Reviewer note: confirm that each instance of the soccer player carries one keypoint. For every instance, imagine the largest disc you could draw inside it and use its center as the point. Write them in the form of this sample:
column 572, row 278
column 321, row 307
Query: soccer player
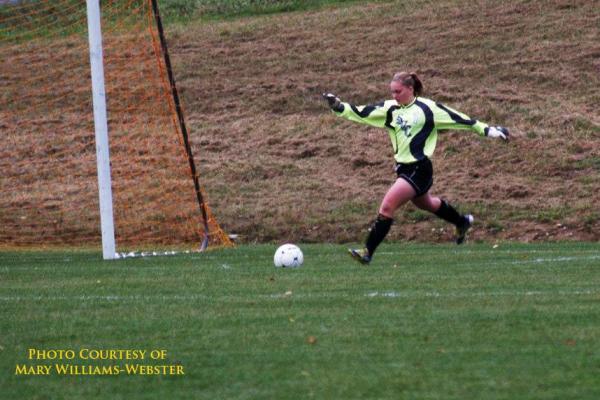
column 412, row 123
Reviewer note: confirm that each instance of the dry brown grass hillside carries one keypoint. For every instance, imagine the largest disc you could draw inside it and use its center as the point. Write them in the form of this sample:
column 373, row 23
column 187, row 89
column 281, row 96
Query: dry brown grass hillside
column 277, row 165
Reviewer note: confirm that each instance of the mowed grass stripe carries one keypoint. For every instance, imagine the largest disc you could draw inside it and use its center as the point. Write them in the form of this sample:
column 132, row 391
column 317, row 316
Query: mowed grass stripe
column 305, row 295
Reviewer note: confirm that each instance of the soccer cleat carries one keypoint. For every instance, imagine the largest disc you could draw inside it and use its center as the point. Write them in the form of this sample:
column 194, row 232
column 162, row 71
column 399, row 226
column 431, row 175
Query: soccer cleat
column 362, row 256
column 462, row 229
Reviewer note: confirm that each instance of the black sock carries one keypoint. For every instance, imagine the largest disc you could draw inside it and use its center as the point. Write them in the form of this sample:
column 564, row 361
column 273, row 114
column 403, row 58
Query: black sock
column 449, row 213
column 379, row 230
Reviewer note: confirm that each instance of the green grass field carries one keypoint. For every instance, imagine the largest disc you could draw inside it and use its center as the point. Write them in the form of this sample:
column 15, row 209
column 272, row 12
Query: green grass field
column 422, row 322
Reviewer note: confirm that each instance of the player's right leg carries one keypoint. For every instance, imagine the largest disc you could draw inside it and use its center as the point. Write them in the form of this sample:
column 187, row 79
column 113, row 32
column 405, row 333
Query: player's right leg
column 397, row 195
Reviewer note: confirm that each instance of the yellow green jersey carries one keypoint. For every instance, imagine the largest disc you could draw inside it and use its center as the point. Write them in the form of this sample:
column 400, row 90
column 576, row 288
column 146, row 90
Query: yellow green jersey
column 412, row 128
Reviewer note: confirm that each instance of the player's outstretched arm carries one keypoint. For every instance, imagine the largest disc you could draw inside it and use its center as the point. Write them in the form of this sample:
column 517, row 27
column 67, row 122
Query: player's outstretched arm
column 373, row 115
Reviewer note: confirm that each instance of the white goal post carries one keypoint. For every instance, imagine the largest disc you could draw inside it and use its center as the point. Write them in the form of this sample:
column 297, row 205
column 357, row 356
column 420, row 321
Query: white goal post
column 101, row 130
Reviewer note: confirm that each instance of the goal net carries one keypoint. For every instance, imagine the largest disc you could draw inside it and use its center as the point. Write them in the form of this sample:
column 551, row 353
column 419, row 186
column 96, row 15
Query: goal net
column 48, row 180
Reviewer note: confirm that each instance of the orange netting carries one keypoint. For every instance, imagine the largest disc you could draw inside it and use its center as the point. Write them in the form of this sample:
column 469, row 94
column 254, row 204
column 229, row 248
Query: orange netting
column 48, row 185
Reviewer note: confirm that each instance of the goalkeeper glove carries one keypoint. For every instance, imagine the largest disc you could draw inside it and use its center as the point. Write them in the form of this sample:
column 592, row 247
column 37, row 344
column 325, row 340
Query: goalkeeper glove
column 334, row 102
column 497, row 132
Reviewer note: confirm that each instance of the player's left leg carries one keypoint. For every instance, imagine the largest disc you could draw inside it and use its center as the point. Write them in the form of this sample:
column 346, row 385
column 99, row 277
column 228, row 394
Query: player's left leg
column 445, row 211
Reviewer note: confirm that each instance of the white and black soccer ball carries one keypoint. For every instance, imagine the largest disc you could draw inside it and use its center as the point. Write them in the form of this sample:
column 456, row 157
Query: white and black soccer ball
column 288, row 256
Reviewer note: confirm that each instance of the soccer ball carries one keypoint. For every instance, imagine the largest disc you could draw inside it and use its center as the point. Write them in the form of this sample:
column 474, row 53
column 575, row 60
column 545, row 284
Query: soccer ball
column 288, row 256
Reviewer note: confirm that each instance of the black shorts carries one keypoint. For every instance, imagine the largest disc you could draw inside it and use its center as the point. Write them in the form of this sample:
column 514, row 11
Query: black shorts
column 419, row 174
